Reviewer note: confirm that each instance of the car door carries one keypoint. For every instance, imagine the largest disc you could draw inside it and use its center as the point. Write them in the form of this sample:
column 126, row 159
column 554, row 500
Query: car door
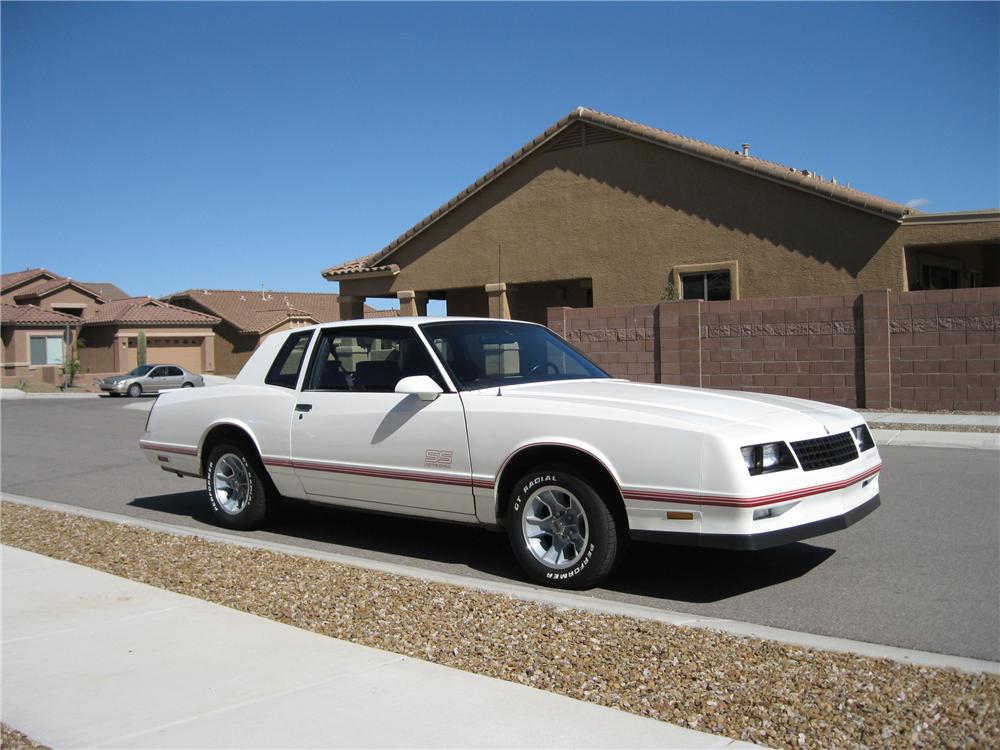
column 174, row 377
column 154, row 380
column 353, row 438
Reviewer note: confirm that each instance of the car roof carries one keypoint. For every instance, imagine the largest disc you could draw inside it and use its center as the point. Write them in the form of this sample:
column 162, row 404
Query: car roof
column 407, row 321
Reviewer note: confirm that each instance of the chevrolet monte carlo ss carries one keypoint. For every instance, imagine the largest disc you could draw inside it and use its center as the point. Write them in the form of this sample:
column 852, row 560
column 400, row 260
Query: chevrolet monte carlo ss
column 504, row 424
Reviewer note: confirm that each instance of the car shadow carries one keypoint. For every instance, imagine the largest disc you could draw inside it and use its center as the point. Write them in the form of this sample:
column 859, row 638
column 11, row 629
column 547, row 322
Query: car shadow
column 657, row 571
column 699, row 575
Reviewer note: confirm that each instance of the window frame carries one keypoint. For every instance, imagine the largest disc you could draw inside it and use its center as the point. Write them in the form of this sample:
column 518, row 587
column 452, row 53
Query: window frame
column 732, row 266
column 373, row 331
column 45, row 338
column 309, row 335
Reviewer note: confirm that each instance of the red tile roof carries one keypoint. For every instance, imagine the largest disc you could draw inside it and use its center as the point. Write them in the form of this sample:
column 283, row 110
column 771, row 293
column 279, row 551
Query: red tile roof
column 54, row 285
column 17, row 278
column 107, row 290
column 801, row 179
column 255, row 312
column 147, row 311
column 30, row 315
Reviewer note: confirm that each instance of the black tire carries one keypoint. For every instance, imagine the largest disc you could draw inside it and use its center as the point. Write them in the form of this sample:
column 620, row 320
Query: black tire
column 134, row 390
column 249, row 509
column 189, row 384
column 604, row 538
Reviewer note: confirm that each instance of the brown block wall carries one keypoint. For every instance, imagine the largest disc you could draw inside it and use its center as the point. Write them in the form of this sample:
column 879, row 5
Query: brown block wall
column 945, row 349
column 910, row 350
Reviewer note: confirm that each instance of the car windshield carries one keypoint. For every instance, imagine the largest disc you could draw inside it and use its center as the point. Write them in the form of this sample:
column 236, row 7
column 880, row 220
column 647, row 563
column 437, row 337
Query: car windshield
column 481, row 354
column 140, row 370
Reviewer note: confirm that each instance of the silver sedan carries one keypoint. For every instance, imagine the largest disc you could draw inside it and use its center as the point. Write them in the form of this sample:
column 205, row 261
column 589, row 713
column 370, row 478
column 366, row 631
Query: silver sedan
column 150, row 379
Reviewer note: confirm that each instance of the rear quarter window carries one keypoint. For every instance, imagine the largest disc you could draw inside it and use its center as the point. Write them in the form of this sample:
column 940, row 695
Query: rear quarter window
column 288, row 363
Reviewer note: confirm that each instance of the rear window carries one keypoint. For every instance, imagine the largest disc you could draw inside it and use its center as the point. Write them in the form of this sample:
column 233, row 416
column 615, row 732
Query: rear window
column 286, row 366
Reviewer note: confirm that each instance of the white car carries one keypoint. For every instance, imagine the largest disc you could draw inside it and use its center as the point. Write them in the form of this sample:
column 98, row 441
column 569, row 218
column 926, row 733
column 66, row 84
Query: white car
column 504, row 424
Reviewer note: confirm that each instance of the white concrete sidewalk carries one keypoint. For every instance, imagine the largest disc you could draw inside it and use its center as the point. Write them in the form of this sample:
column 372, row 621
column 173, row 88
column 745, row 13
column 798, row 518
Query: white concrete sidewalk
column 93, row 660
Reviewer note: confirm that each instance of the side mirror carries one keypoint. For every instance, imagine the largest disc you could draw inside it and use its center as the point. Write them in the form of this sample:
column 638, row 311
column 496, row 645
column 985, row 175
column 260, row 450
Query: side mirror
column 419, row 385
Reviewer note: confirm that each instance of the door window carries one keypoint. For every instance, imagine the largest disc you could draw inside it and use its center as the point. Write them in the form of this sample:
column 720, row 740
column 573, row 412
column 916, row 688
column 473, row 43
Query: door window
column 369, row 360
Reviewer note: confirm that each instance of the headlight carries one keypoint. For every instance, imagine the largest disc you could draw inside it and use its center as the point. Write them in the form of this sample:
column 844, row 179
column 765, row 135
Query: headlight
column 863, row 438
column 767, row 457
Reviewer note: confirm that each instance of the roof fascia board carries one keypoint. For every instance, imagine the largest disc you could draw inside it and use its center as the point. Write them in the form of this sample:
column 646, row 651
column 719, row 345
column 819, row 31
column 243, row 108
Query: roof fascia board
column 394, row 271
column 991, row 215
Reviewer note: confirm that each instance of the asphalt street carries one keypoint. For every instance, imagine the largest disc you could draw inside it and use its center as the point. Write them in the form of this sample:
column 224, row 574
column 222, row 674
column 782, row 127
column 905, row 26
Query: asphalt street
column 922, row 572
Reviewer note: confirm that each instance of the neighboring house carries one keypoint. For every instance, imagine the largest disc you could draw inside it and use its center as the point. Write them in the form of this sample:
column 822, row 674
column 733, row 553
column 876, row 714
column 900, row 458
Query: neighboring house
column 173, row 334
column 35, row 344
column 247, row 317
column 50, row 291
column 599, row 210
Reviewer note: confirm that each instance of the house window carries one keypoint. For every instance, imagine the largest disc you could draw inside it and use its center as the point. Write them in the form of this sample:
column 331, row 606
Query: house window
column 75, row 311
column 46, row 350
column 711, row 285
column 933, row 276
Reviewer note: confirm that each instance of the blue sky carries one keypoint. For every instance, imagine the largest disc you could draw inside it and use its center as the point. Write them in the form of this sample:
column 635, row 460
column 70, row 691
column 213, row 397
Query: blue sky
column 230, row 145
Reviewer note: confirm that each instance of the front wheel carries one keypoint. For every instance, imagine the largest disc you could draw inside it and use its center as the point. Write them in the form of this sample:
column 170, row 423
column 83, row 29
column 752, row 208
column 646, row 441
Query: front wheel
column 562, row 533
column 135, row 390
column 236, row 487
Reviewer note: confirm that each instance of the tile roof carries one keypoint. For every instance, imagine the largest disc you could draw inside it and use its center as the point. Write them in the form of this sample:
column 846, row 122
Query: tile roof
column 107, row 290
column 255, row 312
column 30, row 315
column 55, row 284
column 801, row 179
column 8, row 280
column 147, row 311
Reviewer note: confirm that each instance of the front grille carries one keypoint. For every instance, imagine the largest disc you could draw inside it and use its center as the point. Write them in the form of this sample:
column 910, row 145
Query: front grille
column 820, row 453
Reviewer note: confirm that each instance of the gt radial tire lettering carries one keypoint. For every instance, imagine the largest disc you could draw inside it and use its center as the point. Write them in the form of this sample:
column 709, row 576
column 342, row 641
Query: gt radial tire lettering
column 529, row 485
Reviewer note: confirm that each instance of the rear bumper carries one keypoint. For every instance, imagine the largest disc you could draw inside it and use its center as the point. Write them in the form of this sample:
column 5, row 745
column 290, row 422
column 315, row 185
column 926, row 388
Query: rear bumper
column 765, row 539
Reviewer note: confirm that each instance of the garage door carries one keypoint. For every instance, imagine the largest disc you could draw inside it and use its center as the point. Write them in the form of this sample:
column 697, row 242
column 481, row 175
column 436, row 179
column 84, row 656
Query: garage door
column 185, row 352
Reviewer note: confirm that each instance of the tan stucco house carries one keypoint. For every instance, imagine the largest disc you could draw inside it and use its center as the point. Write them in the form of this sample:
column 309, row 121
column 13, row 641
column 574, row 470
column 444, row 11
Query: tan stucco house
column 247, row 317
column 599, row 210
column 106, row 320
column 110, row 337
column 35, row 343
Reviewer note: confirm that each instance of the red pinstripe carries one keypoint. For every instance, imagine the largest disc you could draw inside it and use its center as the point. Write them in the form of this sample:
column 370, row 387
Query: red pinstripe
column 748, row 502
column 664, row 497
column 148, row 446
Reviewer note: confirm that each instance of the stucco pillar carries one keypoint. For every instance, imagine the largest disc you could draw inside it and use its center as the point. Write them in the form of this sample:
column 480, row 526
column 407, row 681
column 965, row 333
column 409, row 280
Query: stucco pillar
column 499, row 306
column 351, row 308
column 411, row 302
column 208, row 353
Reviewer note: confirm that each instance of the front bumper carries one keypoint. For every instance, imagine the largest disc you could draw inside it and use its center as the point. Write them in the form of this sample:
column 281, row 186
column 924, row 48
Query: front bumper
column 764, row 539
column 113, row 387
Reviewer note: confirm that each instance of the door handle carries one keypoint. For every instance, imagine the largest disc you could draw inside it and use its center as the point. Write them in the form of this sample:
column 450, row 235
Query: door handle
column 303, row 407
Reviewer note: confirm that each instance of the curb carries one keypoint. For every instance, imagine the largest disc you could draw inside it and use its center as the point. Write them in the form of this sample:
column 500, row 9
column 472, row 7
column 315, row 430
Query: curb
column 936, row 439
column 555, row 598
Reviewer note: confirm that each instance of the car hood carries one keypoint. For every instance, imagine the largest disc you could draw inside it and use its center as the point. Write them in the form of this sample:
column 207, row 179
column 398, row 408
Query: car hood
column 695, row 406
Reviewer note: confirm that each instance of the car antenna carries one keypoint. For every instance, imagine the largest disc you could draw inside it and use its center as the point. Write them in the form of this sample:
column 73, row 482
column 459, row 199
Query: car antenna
column 499, row 312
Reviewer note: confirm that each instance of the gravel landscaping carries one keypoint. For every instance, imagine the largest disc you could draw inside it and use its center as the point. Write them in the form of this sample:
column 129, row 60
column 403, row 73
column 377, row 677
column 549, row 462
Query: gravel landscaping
column 761, row 691
column 14, row 740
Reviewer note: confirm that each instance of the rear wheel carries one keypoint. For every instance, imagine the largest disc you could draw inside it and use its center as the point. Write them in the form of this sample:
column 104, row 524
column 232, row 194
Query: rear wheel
column 189, row 384
column 562, row 533
column 237, row 489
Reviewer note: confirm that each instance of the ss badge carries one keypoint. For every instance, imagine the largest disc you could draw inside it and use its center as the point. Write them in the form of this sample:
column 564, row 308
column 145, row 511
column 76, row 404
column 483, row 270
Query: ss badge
column 437, row 459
